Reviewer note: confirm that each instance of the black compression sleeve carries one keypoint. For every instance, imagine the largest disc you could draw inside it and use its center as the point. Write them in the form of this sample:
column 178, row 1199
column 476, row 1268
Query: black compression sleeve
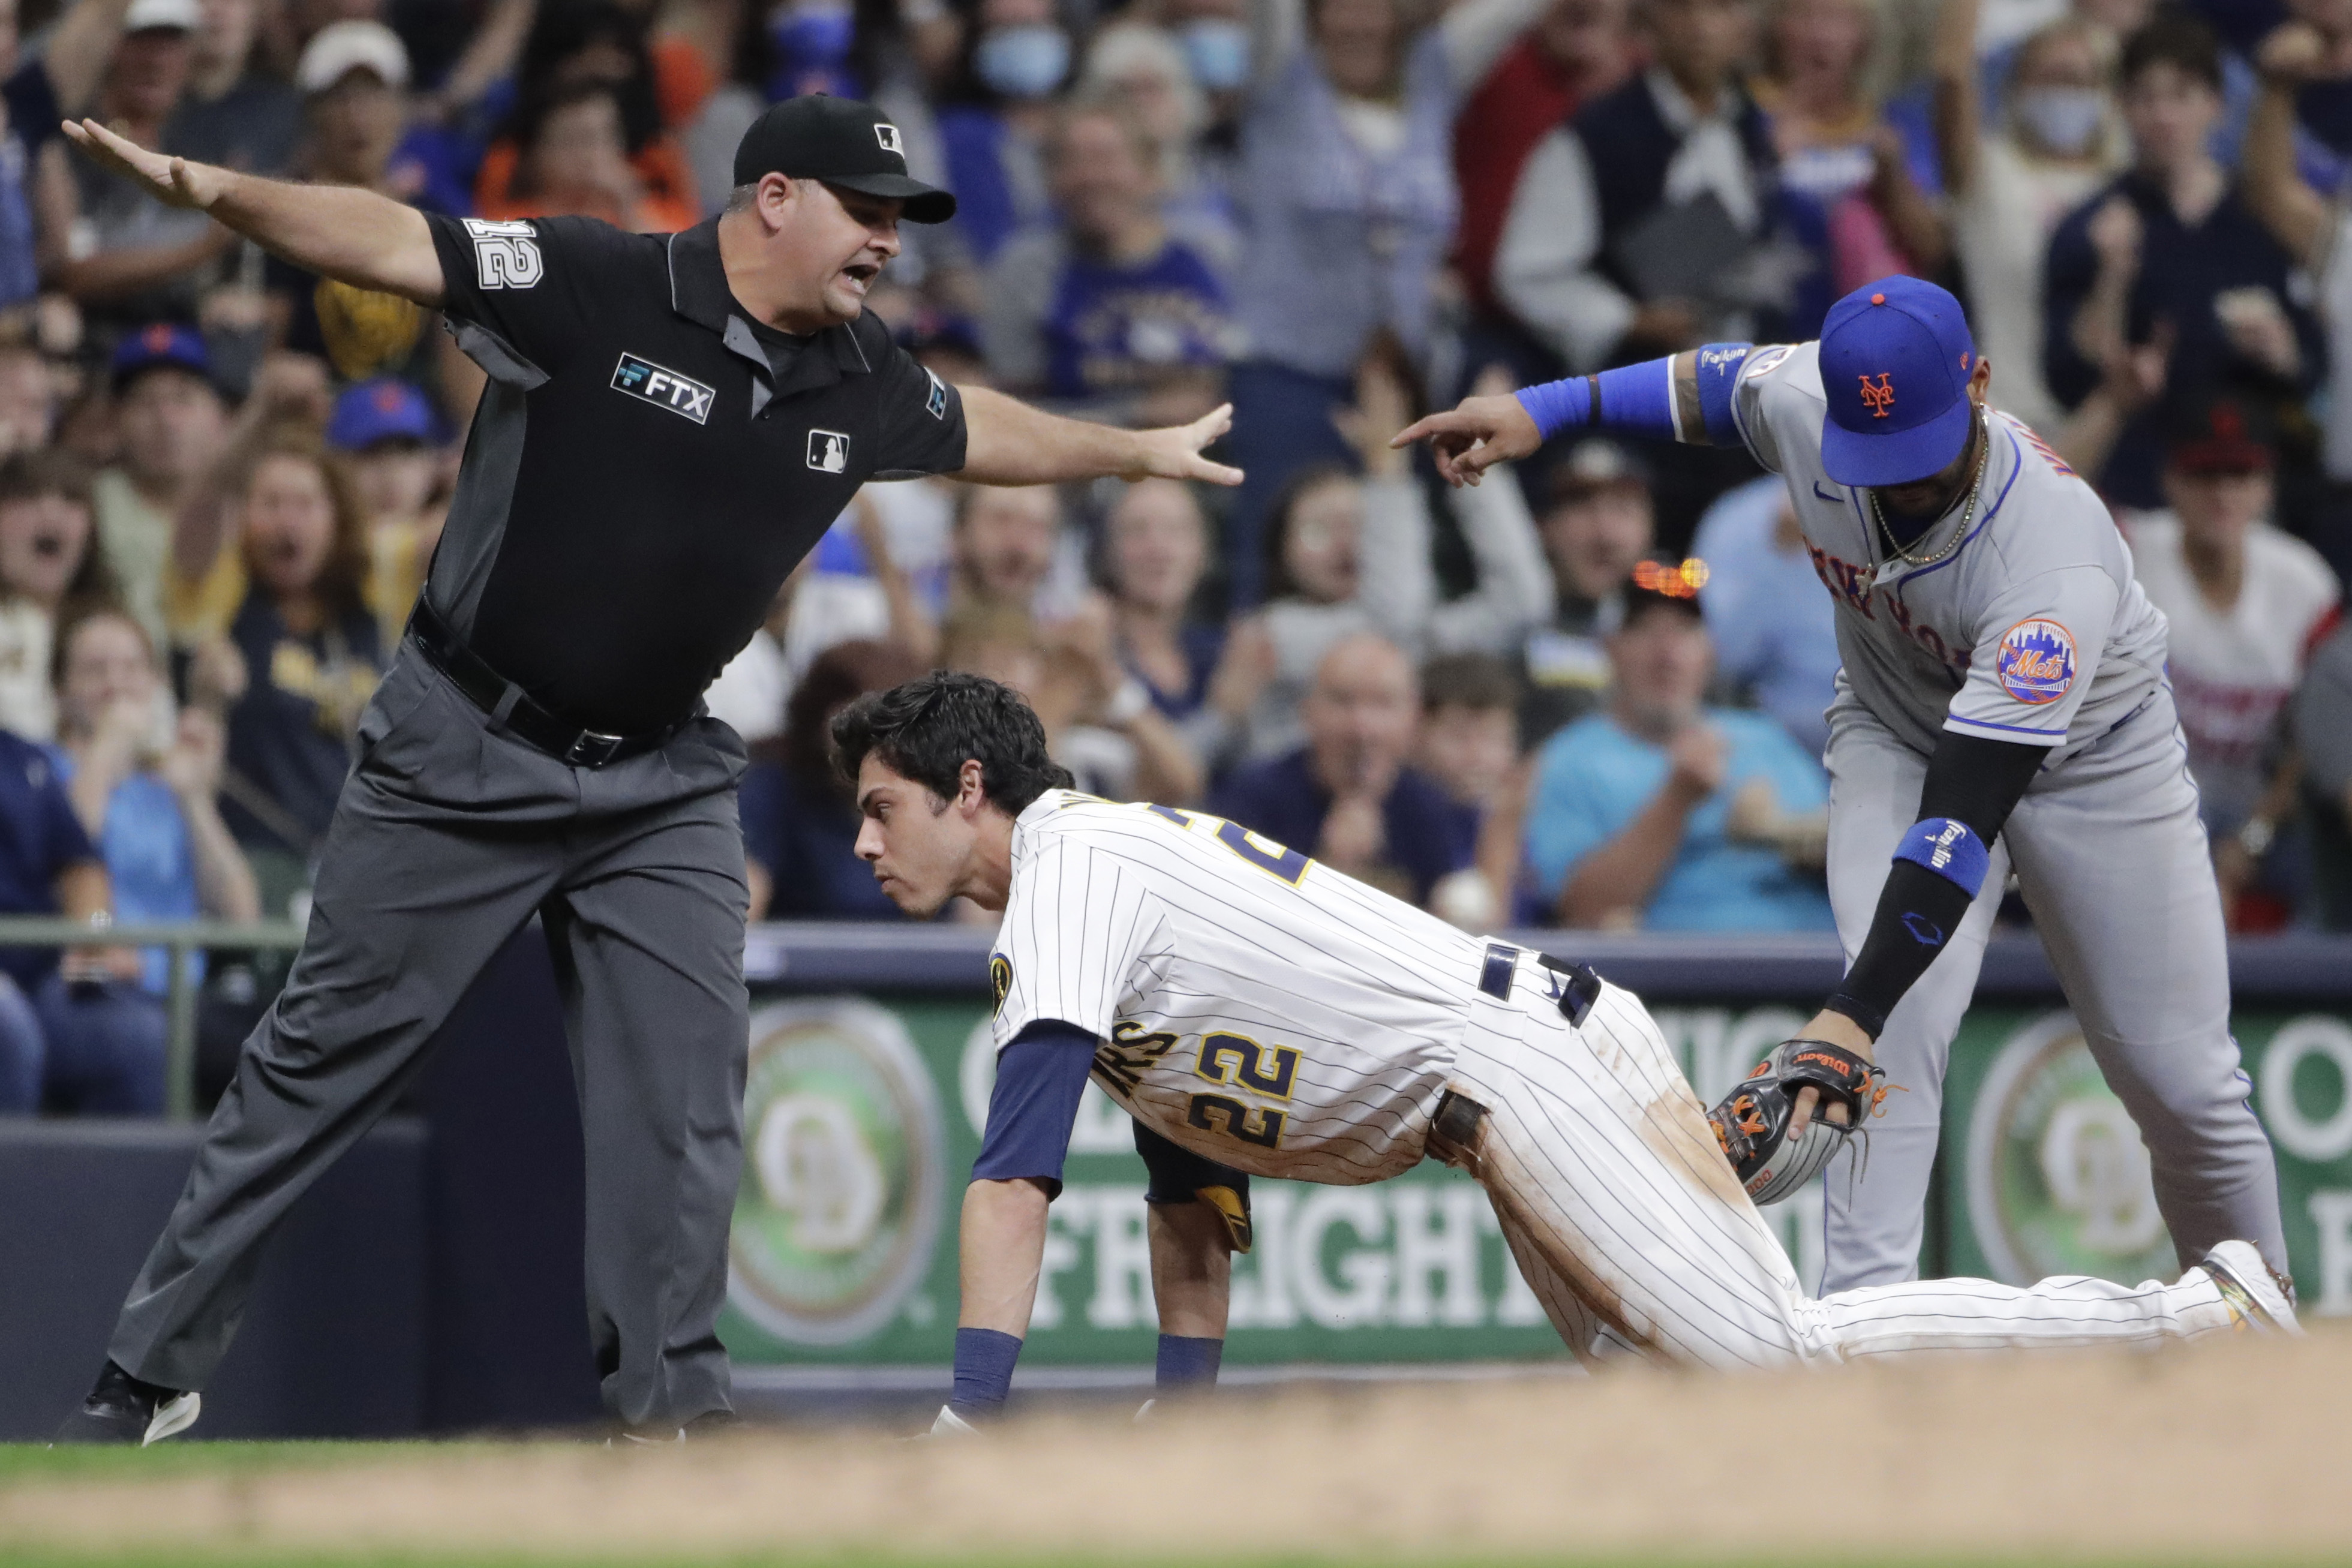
column 1971, row 780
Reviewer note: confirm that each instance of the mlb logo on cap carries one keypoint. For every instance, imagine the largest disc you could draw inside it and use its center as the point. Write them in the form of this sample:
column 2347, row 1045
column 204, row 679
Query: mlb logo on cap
column 1896, row 360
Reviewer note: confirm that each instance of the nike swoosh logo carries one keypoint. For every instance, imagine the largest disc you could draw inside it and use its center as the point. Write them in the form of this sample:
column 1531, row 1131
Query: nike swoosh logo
column 1833, row 500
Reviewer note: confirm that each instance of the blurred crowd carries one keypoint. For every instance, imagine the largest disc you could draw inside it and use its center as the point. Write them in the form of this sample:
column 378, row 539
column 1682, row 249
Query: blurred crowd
column 1588, row 693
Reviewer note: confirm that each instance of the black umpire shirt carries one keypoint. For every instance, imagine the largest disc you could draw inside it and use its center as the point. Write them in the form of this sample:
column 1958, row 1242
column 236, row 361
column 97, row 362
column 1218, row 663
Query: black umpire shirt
column 640, row 477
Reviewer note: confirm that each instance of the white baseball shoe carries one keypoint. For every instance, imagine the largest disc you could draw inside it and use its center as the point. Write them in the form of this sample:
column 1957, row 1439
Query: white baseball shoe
column 2257, row 1297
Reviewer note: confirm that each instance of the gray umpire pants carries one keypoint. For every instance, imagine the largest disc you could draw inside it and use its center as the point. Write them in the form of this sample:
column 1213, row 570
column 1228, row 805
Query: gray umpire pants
column 449, row 834
column 2113, row 863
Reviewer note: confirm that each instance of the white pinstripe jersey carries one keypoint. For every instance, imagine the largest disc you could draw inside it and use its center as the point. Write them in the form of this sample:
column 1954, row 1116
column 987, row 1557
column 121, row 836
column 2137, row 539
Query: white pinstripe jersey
column 2034, row 630
column 1252, row 1005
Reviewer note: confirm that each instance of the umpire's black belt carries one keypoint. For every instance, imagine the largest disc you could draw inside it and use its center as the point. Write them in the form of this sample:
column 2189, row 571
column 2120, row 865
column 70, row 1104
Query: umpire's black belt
column 506, row 703
column 1575, row 994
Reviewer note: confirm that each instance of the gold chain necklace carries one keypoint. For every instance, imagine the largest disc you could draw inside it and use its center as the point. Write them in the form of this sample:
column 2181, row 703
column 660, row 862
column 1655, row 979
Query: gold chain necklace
column 1975, row 492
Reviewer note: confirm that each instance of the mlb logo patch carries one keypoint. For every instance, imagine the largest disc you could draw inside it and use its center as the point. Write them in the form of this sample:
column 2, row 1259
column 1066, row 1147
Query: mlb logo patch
column 887, row 134
column 650, row 382
column 828, row 451
column 2035, row 661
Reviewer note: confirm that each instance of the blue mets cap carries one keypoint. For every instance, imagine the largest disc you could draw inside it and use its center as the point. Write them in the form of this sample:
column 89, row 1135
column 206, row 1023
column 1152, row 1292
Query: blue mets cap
column 1895, row 361
column 159, row 345
column 380, row 410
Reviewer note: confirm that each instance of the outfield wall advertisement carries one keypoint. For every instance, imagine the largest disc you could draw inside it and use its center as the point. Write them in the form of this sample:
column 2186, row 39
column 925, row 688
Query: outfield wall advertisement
column 863, row 1116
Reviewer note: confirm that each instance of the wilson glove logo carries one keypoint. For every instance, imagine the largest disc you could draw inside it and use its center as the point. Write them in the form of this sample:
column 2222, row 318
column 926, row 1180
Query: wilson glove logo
column 644, row 379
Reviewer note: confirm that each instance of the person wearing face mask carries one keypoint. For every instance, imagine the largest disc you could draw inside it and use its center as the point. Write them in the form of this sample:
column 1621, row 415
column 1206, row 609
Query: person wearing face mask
column 994, row 135
column 2014, row 174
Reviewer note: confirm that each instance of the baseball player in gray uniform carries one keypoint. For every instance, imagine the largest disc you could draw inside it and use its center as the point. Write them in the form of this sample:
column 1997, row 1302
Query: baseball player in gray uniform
column 2002, row 707
column 1254, row 1008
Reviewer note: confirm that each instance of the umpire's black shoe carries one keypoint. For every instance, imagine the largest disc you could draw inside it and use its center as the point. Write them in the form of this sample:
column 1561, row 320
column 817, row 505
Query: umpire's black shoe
column 121, row 1409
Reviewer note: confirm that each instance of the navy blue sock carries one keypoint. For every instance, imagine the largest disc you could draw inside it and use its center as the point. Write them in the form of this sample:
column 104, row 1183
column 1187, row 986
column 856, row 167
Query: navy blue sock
column 1189, row 1363
column 983, row 1371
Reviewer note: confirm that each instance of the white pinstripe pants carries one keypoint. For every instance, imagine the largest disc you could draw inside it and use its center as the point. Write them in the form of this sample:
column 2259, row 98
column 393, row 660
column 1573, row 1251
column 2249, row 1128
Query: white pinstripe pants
column 1628, row 1224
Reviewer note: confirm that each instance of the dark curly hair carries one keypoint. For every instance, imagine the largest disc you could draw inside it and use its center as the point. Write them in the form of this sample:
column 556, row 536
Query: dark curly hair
column 929, row 727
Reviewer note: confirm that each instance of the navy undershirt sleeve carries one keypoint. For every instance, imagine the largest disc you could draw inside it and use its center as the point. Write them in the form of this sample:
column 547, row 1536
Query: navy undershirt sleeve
column 1971, row 779
column 1039, row 1077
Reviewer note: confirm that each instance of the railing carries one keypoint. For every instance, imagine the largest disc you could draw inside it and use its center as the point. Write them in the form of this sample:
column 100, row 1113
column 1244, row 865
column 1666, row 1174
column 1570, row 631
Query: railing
column 179, row 938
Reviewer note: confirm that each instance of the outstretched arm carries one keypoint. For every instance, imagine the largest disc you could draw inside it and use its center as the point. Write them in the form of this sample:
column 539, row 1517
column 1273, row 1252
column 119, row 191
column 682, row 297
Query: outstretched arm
column 1686, row 398
column 337, row 231
column 1007, row 442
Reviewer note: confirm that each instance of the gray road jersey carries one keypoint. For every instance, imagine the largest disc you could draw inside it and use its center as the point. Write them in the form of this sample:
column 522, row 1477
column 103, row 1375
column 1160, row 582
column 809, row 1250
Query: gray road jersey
column 2032, row 631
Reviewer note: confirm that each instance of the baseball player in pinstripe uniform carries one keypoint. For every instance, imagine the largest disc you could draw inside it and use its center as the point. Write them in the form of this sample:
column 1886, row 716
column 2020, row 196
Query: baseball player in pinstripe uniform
column 1254, row 1008
column 2002, row 706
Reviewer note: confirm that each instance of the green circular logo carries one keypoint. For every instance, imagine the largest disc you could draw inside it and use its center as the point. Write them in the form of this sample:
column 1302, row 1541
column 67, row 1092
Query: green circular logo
column 840, row 1199
column 2058, row 1178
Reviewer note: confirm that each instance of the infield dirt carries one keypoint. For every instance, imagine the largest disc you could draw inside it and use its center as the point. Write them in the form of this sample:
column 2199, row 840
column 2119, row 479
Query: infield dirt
column 2232, row 1452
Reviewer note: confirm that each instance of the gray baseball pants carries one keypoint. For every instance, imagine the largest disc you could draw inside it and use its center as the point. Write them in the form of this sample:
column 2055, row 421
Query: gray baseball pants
column 449, row 834
column 2112, row 861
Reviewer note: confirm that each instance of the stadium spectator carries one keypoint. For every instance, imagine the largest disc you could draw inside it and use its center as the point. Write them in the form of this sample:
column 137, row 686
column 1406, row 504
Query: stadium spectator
column 1627, row 225
column 1630, row 817
column 2313, row 229
column 2013, row 173
column 1346, row 554
column 2169, row 253
column 153, row 815
column 1469, row 745
column 234, row 113
column 1105, row 308
column 385, row 431
column 1775, row 632
column 572, row 158
column 1576, row 51
column 1155, row 548
column 175, row 425
column 28, row 398
column 1598, row 525
column 1099, row 720
column 1849, row 189
column 1146, row 71
column 571, row 48
column 1469, row 735
column 51, row 566
column 77, row 1032
column 993, row 127
column 41, row 93
column 800, row 820
column 354, row 77
column 124, row 255
column 1010, row 552
column 205, row 578
column 1348, row 204
column 2323, row 736
column 309, row 650
column 1350, row 797
column 2245, row 602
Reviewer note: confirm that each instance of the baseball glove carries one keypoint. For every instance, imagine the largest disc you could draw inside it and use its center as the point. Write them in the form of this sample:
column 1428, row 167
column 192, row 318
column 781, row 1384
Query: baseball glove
column 1752, row 1122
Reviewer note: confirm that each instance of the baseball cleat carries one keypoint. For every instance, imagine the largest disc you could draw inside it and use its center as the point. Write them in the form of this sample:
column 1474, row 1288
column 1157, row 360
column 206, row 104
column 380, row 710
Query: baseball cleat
column 951, row 1424
column 121, row 1409
column 2258, row 1303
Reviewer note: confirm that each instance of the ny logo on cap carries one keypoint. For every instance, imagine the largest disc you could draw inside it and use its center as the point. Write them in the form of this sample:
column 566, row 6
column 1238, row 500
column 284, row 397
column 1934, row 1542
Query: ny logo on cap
column 1880, row 398
column 887, row 134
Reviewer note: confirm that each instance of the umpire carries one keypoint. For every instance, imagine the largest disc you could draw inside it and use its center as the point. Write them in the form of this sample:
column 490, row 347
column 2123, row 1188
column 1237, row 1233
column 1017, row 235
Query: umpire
column 670, row 424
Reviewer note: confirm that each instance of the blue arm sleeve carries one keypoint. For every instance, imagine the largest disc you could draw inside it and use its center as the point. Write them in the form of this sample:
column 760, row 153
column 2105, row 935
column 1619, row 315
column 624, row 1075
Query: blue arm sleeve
column 1039, row 1077
column 1638, row 400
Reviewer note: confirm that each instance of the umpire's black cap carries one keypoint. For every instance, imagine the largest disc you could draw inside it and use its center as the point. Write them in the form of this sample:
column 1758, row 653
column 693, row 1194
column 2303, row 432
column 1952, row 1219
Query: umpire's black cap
column 841, row 141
